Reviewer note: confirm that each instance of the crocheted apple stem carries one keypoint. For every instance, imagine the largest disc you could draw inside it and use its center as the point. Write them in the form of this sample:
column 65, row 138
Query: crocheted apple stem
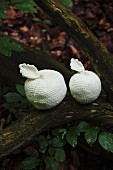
column 76, row 65
column 28, row 71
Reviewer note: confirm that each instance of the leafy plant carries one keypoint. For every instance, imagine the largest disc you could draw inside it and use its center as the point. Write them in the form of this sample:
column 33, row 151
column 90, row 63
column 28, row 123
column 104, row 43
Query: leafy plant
column 6, row 46
column 52, row 145
column 16, row 99
column 4, row 6
column 92, row 134
column 24, row 5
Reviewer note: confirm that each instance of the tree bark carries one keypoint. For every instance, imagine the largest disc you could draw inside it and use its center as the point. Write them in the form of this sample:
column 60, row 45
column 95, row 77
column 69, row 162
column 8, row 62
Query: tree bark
column 19, row 133
column 97, row 52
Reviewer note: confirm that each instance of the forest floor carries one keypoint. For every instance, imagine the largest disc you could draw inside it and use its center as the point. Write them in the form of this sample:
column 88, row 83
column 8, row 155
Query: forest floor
column 40, row 32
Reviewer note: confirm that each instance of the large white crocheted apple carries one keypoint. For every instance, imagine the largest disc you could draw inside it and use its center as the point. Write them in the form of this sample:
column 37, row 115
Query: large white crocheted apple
column 85, row 86
column 45, row 88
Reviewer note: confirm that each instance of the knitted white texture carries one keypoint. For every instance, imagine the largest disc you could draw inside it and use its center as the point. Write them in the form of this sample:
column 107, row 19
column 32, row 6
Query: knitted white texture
column 47, row 90
column 85, row 86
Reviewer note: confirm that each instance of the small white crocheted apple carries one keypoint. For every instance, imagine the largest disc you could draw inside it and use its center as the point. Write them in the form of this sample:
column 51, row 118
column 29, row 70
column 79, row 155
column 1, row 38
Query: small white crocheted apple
column 85, row 86
column 45, row 88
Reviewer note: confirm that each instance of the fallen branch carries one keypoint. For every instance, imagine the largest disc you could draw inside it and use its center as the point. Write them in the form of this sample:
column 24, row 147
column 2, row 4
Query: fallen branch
column 19, row 133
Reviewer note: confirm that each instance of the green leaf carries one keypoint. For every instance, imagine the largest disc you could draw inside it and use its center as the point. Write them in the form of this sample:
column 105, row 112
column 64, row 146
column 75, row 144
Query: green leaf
column 60, row 155
column 67, row 3
column 43, row 143
column 4, row 6
column 20, row 89
column 27, row 8
column 44, row 30
column 25, row 5
column 51, row 163
column 56, row 142
column 16, row 47
column 83, row 126
column 51, row 150
column 2, row 14
column 91, row 135
column 72, row 140
column 4, row 49
column 106, row 141
column 30, row 163
column 36, row 19
column 31, row 2
column 71, row 136
column 13, row 97
column 6, row 46
column 47, row 21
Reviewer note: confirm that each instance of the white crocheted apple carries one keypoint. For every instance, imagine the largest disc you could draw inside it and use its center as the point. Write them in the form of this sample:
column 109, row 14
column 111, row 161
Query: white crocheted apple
column 45, row 88
column 85, row 86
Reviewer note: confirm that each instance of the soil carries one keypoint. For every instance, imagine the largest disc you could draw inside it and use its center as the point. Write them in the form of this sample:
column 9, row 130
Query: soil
column 40, row 32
